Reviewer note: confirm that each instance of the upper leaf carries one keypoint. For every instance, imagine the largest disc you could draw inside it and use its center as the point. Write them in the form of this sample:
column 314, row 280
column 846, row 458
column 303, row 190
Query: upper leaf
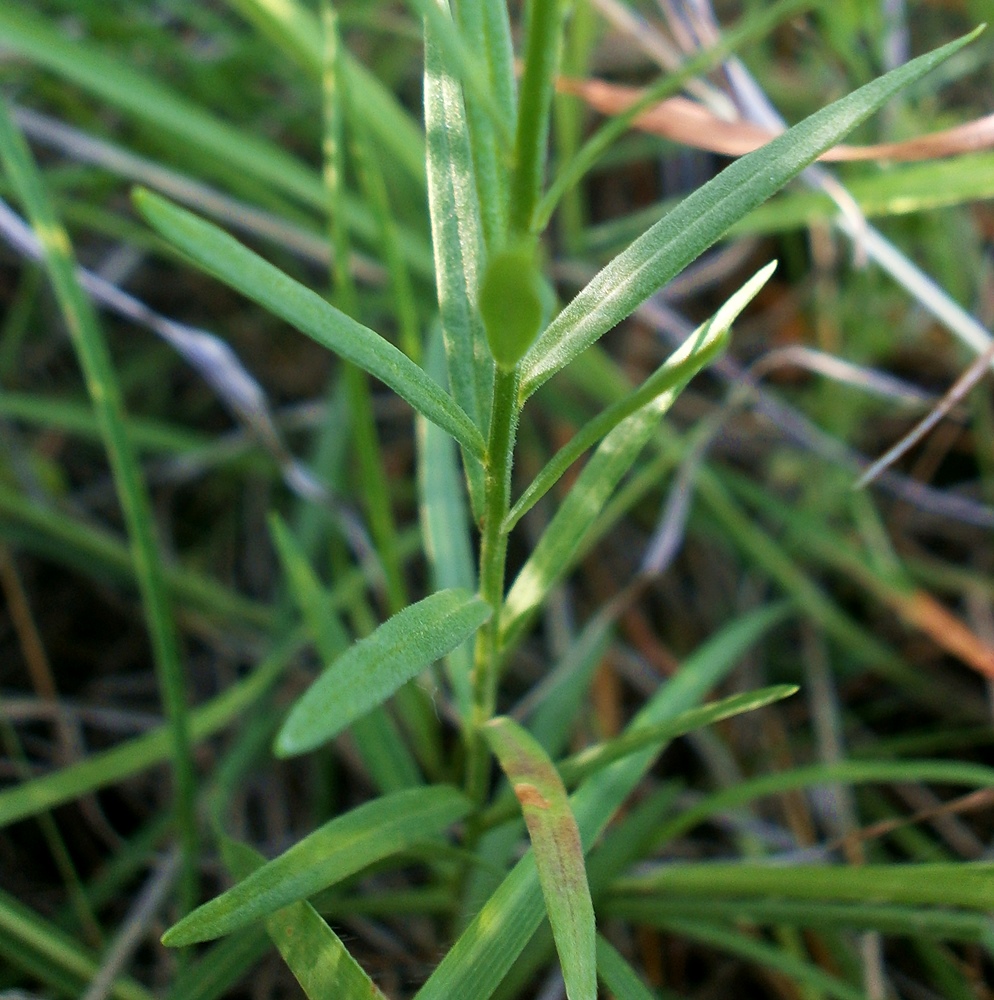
column 224, row 257
column 703, row 217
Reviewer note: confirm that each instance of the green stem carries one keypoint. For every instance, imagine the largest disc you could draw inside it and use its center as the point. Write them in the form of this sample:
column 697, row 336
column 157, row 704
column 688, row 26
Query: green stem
column 493, row 556
column 545, row 19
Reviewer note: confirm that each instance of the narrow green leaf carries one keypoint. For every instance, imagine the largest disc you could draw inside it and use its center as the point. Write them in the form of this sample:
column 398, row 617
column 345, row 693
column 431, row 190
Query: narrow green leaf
column 578, row 766
column 312, row 951
column 797, row 970
column 914, row 921
column 701, row 219
column 698, row 350
column 617, row 975
column 247, row 272
column 543, row 44
column 134, row 756
column 297, row 31
column 457, row 238
column 900, row 189
column 375, row 667
column 961, row 884
column 482, row 27
column 108, row 404
column 156, row 105
column 558, row 852
column 852, row 771
column 564, row 536
column 24, row 930
column 381, row 747
column 461, row 63
column 342, row 847
column 445, row 524
column 483, row 953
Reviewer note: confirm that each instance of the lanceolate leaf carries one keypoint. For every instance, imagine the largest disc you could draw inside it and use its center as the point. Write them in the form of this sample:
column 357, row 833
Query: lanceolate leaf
column 233, row 263
column 375, row 667
column 333, row 852
column 558, row 852
column 703, row 217
column 698, row 350
column 312, row 951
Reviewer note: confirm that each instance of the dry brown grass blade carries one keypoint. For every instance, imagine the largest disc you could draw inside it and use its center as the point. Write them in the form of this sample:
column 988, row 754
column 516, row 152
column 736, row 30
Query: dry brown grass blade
column 925, row 613
column 691, row 124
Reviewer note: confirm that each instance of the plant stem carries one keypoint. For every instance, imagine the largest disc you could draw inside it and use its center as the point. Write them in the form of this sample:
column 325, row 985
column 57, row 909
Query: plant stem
column 545, row 21
column 493, row 555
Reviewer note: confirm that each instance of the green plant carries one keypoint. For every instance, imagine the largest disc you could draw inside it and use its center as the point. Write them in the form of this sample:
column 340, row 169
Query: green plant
column 499, row 338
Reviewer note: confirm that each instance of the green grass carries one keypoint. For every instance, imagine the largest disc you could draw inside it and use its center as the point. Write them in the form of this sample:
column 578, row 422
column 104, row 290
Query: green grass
column 498, row 629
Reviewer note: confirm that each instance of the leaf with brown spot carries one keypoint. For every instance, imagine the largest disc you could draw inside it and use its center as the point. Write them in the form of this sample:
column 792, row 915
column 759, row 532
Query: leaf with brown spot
column 558, row 851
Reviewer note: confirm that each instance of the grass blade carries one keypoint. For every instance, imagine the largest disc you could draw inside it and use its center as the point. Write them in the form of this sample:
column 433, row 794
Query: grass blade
column 543, row 43
column 247, row 272
column 134, row 756
column 375, row 667
column 296, row 30
column 311, row 949
column 558, row 852
column 701, row 219
column 698, row 350
column 617, row 975
column 853, row 771
column 333, row 852
column 53, row 953
column 920, row 921
column 102, row 385
column 797, row 970
column 955, row 884
column 154, row 104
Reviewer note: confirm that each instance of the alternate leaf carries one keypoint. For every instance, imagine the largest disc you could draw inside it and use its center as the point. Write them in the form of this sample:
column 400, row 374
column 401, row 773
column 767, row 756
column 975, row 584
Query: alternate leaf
column 558, row 851
column 376, row 666
column 703, row 217
column 342, row 847
column 581, row 764
column 383, row 751
column 237, row 266
column 313, row 952
column 669, row 380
